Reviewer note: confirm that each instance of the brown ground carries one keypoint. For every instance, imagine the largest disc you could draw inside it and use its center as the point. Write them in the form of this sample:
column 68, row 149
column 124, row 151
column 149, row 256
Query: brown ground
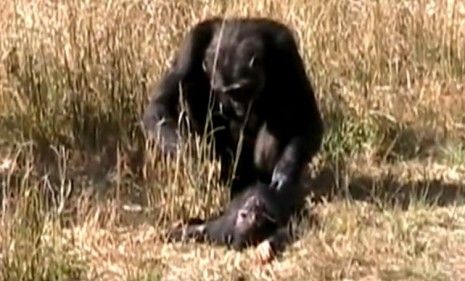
column 79, row 204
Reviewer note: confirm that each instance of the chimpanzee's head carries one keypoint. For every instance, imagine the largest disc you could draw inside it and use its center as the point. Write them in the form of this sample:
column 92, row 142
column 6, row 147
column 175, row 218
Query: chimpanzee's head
column 234, row 62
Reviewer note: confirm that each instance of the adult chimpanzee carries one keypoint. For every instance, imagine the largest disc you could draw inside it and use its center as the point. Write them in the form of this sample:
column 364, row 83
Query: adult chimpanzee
column 244, row 80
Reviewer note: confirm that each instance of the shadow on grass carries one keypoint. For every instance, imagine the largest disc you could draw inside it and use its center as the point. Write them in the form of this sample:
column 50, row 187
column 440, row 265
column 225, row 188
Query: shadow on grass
column 387, row 190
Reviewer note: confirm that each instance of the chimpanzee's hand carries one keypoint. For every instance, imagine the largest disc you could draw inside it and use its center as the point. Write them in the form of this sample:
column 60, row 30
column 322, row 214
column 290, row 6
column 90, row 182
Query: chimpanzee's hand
column 278, row 180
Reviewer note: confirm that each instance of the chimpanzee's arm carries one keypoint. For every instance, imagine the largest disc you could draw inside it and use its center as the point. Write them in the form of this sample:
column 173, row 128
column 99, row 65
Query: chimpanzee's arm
column 196, row 232
column 300, row 118
column 297, row 153
column 161, row 115
column 280, row 239
column 217, row 231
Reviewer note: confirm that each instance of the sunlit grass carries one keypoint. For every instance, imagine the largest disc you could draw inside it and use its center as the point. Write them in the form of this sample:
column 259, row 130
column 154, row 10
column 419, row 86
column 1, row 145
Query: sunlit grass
column 85, row 197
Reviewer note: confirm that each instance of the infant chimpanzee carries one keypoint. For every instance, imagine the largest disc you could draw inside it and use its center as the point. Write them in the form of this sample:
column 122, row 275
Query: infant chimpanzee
column 257, row 214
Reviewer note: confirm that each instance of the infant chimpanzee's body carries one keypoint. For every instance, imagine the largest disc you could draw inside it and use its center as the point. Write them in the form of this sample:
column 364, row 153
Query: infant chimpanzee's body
column 257, row 214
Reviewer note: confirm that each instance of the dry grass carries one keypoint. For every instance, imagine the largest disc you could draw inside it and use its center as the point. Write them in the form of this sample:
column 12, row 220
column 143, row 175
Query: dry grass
column 80, row 203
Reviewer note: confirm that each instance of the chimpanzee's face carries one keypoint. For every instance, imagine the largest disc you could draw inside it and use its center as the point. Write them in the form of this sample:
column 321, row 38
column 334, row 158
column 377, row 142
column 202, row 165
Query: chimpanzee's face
column 252, row 215
column 236, row 71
